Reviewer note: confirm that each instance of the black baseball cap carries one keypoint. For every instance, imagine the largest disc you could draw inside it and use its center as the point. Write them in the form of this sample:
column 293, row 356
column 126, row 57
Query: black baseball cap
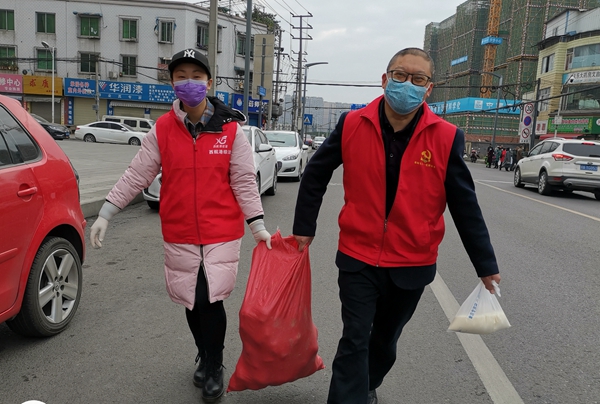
column 189, row 56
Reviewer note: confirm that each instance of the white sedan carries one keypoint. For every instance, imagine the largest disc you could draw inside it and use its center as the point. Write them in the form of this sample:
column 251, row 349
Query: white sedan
column 317, row 142
column 265, row 166
column 290, row 151
column 109, row 132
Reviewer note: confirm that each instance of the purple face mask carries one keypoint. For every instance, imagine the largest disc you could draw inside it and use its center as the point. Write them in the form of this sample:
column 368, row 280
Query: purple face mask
column 191, row 92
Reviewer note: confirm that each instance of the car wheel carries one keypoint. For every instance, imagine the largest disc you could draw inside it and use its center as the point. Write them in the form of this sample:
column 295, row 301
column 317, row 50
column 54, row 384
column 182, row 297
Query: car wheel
column 597, row 195
column 300, row 172
column 517, row 178
column 53, row 290
column 543, row 187
column 273, row 190
column 153, row 205
column 258, row 183
column 134, row 141
column 89, row 138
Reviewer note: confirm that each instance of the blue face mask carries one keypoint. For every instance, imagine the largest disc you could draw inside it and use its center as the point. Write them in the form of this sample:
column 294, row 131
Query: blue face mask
column 405, row 97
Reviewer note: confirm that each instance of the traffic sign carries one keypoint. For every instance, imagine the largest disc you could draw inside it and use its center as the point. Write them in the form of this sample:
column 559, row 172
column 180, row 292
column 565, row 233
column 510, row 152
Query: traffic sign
column 261, row 91
column 307, row 119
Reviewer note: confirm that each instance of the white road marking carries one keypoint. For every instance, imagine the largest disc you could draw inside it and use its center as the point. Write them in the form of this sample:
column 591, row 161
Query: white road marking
column 597, row 219
column 494, row 379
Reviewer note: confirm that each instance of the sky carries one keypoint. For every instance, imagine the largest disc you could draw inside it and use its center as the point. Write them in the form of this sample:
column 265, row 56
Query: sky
column 356, row 38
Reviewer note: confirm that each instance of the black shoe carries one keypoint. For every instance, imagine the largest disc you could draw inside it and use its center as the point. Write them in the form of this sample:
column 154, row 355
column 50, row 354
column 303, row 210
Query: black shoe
column 213, row 387
column 200, row 373
column 372, row 397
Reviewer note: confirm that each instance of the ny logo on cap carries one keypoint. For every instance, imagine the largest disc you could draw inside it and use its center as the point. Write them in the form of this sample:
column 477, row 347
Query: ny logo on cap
column 190, row 53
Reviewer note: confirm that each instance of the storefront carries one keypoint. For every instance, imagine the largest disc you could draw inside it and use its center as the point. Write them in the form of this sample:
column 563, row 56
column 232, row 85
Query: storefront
column 570, row 127
column 37, row 97
column 115, row 98
column 11, row 85
column 237, row 102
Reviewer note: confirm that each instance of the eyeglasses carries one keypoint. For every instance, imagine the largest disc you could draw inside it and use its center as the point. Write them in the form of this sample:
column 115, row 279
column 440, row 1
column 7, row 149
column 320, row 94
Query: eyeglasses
column 400, row 76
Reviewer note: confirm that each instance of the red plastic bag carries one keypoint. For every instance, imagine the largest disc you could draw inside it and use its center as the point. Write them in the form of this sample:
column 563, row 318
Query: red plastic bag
column 278, row 335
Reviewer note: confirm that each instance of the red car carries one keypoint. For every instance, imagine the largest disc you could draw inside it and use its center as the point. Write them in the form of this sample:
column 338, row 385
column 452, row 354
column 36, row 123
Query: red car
column 41, row 227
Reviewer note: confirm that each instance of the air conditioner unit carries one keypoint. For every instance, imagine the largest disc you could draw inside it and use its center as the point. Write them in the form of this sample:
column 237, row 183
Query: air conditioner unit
column 113, row 75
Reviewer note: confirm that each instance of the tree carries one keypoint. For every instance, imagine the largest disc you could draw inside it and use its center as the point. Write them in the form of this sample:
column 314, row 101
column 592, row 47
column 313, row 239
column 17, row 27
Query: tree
column 265, row 18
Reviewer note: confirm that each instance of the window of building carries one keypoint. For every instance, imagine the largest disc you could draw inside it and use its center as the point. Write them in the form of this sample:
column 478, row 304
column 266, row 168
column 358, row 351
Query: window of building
column 241, row 45
column 163, row 69
column 129, row 29
column 8, row 55
column 89, row 26
column 7, row 20
column 548, row 64
column 129, row 65
column 165, row 34
column 202, row 36
column 44, row 60
column 586, row 56
column 87, row 62
column 569, row 59
column 543, row 105
column 46, row 23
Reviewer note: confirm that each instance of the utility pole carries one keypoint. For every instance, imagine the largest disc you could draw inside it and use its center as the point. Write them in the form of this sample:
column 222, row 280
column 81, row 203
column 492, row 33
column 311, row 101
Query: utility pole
column 262, row 85
column 275, row 94
column 535, row 114
column 298, row 97
column 97, row 90
column 212, row 43
column 247, row 59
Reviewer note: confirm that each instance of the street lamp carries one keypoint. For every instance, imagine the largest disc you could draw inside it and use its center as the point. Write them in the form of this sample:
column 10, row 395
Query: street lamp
column 306, row 66
column 52, row 49
column 497, row 105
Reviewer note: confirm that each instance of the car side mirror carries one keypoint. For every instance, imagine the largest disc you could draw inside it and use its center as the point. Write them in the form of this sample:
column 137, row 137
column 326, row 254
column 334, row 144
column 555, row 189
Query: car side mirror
column 264, row 148
column 304, row 147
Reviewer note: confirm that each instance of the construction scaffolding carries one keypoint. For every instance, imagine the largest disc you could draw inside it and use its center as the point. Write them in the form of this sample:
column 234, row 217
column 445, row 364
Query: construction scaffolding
column 455, row 45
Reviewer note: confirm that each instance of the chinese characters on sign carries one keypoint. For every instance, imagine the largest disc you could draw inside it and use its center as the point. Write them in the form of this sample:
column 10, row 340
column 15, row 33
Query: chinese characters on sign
column 11, row 83
column 42, row 85
column 116, row 90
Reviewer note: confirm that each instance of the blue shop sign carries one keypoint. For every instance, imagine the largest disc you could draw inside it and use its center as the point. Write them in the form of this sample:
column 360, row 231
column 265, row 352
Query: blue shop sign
column 237, row 102
column 116, row 90
column 472, row 104
column 223, row 96
column 491, row 40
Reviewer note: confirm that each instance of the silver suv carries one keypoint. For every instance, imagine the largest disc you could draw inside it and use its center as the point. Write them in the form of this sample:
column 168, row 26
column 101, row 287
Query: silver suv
column 557, row 163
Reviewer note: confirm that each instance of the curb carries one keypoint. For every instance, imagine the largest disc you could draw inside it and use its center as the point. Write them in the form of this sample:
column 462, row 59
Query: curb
column 92, row 207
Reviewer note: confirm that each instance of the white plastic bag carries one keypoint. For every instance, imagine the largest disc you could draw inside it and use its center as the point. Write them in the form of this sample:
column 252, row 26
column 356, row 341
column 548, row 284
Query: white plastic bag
column 480, row 313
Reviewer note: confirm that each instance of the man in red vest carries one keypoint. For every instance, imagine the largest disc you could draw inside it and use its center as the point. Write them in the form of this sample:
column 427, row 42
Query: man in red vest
column 402, row 166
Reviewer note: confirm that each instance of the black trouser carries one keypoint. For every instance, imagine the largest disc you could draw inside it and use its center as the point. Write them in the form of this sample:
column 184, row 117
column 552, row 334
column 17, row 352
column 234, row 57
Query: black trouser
column 207, row 321
column 374, row 311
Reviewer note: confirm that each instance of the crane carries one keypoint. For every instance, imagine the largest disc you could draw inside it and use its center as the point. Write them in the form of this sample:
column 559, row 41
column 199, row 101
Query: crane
column 490, row 48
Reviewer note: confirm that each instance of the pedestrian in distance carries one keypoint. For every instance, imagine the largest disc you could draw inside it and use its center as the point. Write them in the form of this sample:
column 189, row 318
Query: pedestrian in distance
column 208, row 189
column 402, row 166
column 490, row 157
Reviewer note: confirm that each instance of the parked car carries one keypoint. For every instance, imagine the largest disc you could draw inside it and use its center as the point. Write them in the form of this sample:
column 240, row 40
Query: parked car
column 42, row 239
column 291, row 152
column 308, row 140
column 317, row 142
column 109, row 132
column 265, row 165
column 138, row 124
column 57, row 131
column 556, row 163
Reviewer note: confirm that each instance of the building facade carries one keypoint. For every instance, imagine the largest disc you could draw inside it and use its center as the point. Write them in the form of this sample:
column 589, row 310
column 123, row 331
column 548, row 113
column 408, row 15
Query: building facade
column 499, row 37
column 569, row 76
column 110, row 57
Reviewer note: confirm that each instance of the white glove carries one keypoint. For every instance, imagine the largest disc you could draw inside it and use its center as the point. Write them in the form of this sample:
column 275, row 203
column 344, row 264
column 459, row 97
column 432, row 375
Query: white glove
column 260, row 233
column 99, row 227
column 98, row 231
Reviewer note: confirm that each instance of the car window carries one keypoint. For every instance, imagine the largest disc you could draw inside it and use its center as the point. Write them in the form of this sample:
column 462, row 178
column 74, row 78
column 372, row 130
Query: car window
column 114, row 126
column 39, row 118
column 145, row 125
column 536, row 150
column 282, row 139
column 100, row 125
column 21, row 146
column 554, row 146
column 129, row 127
column 262, row 137
column 130, row 122
column 4, row 153
column 584, row 149
column 547, row 147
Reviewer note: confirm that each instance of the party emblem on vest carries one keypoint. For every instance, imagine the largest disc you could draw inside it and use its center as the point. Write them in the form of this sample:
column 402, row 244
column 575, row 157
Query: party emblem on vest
column 425, row 161
column 220, row 146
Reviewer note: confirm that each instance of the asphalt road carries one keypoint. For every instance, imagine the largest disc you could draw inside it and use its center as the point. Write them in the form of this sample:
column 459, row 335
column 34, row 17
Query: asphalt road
column 130, row 344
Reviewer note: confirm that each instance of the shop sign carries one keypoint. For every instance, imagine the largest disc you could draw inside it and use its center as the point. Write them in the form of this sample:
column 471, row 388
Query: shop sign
column 578, row 125
column 42, row 85
column 117, row 90
column 237, row 102
column 11, row 83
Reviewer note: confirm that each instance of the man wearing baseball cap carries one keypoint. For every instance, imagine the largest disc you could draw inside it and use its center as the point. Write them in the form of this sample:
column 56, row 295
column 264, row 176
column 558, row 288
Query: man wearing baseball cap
column 208, row 189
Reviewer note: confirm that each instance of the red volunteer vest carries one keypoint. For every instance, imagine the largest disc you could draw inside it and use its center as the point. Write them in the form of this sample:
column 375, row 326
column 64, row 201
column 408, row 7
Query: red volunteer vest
column 415, row 226
column 197, row 204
